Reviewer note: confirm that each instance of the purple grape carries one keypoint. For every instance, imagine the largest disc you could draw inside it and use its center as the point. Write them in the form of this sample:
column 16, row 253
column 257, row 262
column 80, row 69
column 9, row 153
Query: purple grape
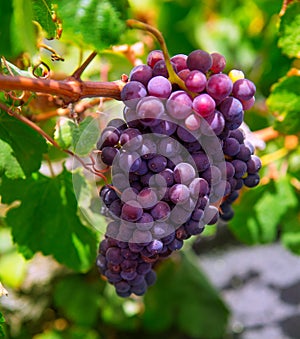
column 129, row 162
column 141, row 73
column 164, row 178
column 179, row 193
column 201, row 160
column 168, row 147
column 150, row 278
column 155, row 246
column 108, row 154
column 218, row 63
column 204, row 105
column 157, row 164
column 195, row 81
column 143, row 237
column 252, row 180
column 198, row 187
column 132, row 211
column 216, row 123
column 164, row 127
column 253, row 164
column 179, row 105
column 231, row 108
column 199, row 60
column 109, row 137
column 150, row 110
column 231, row 147
column 240, row 168
column 192, row 122
column 160, row 68
column 243, row 89
column 184, row 173
column 159, row 87
column 145, row 223
column 179, row 60
column 114, row 256
column 131, row 139
column 153, row 57
column 147, row 198
column 219, row 86
column 132, row 92
column 161, row 211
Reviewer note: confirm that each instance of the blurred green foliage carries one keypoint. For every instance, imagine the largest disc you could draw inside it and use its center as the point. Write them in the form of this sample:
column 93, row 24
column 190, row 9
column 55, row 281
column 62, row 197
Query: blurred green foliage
column 41, row 214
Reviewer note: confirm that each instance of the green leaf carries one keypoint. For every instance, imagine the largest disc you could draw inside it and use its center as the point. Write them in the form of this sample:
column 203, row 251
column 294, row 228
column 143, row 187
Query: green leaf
column 258, row 214
column 6, row 17
column 78, row 299
column 21, row 147
column 9, row 165
column 80, row 138
column 97, row 24
column 289, row 31
column 183, row 297
column 88, row 201
column 42, row 13
column 284, row 101
column 22, row 35
column 2, row 320
column 47, row 220
column 290, row 236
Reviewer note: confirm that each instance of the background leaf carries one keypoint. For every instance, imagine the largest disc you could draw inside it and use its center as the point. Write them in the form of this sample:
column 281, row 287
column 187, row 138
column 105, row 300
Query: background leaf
column 78, row 305
column 95, row 23
column 284, row 101
column 2, row 320
column 260, row 211
column 48, row 212
column 42, row 13
column 80, row 138
column 289, row 31
column 21, row 147
column 183, row 297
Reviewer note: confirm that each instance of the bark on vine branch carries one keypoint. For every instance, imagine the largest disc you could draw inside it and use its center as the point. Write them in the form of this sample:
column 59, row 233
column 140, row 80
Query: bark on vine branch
column 70, row 89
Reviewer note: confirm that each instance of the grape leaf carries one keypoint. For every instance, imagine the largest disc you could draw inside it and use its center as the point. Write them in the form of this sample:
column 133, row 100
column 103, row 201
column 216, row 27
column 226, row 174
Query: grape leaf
column 290, row 236
column 97, row 24
column 9, row 165
column 2, row 320
column 6, row 16
column 289, row 31
column 183, row 297
column 47, row 220
column 21, row 31
column 78, row 299
column 260, row 210
column 22, row 148
column 80, row 138
column 42, row 13
column 284, row 101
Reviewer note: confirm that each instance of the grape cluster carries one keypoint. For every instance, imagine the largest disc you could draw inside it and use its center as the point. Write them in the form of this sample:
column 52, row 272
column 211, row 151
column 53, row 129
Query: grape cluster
column 178, row 161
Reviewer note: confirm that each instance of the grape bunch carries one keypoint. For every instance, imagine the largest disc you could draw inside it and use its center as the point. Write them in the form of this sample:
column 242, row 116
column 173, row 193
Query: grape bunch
column 178, row 161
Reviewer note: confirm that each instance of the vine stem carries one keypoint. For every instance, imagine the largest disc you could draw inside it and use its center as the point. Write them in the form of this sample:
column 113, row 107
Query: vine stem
column 70, row 89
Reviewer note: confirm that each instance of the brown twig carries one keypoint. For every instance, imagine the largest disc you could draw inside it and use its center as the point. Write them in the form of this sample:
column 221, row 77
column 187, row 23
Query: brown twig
column 77, row 73
column 70, row 89
column 266, row 134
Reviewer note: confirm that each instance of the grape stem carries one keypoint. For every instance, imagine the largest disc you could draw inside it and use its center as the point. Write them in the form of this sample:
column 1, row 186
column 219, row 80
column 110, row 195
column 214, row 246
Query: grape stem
column 173, row 77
